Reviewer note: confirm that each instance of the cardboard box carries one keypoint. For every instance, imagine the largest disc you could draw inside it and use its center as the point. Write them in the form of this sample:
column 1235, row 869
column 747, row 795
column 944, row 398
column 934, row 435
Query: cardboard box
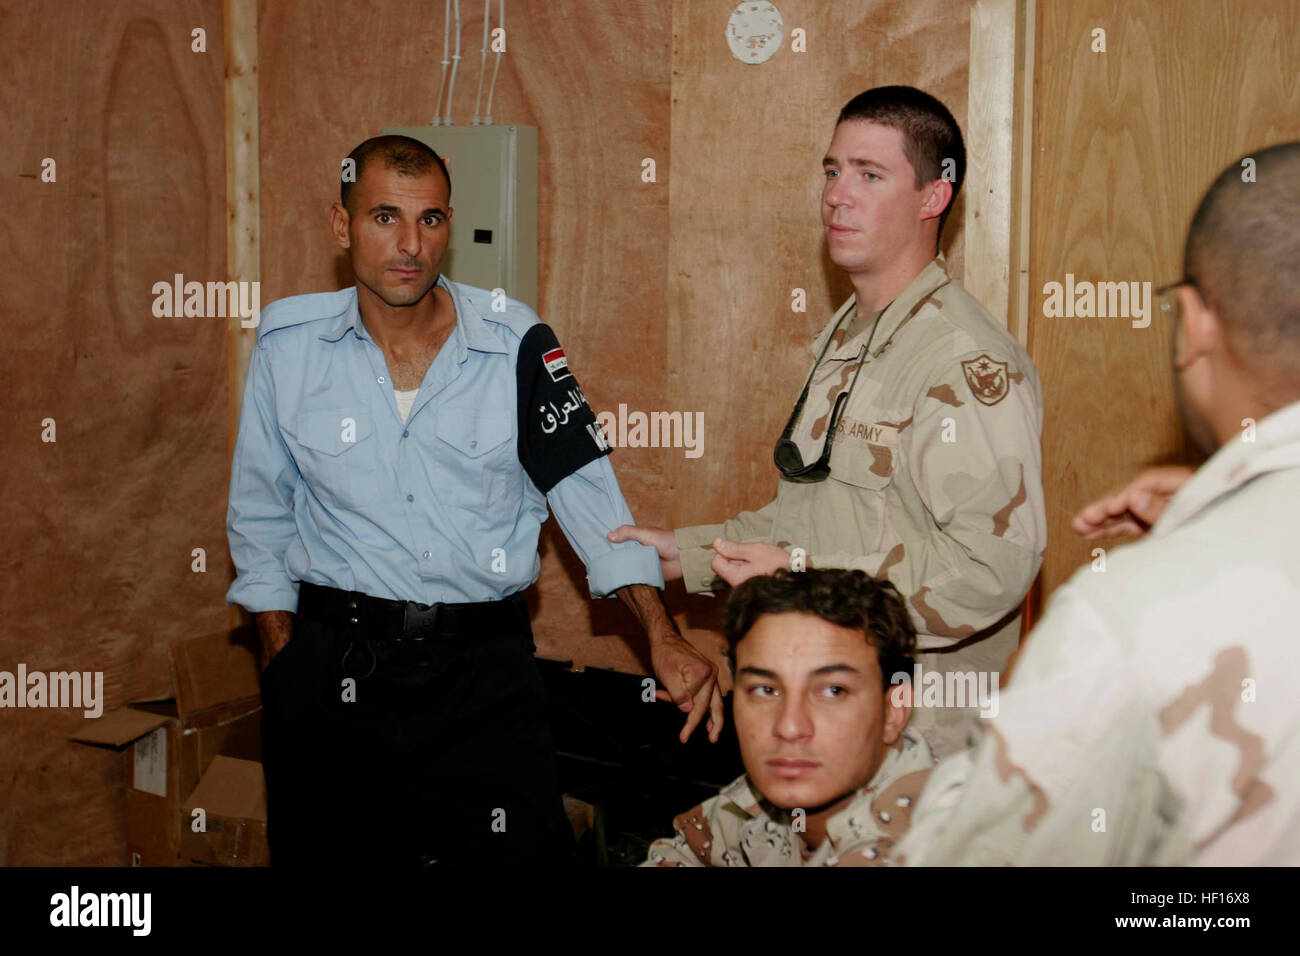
column 177, row 745
column 231, row 801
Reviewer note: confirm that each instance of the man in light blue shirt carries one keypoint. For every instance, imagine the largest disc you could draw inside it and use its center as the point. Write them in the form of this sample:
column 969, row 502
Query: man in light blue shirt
column 398, row 445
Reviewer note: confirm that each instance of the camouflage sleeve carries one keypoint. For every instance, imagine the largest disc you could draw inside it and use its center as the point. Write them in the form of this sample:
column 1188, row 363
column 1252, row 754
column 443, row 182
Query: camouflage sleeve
column 1064, row 774
column 699, row 839
column 973, row 453
column 694, row 544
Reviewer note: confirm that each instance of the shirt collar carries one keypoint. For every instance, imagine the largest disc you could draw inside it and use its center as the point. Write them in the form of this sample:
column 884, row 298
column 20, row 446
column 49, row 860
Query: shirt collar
column 927, row 281
column 350, row 319
column 911, row 753
column 470, row 331
column 1276, row 447
column 742, row 793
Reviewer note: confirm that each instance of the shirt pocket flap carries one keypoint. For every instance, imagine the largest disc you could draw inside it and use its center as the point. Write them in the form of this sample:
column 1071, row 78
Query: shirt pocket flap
column 863, row 464
column 472, row 431
column 332, row 431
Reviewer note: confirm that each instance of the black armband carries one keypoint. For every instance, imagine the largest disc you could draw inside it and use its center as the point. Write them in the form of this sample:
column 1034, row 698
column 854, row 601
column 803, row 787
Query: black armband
column 558, row 432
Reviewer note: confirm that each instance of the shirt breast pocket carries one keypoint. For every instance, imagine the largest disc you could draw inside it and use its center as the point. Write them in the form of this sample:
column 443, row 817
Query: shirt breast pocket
column 336, row 454
column 479, row 457
column 865, row 471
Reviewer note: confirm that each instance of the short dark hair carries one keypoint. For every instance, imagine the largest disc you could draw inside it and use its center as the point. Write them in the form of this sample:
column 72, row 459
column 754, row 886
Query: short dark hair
column 408, row 156
column 845, row 598
column 1243, row 252
column 930, row 134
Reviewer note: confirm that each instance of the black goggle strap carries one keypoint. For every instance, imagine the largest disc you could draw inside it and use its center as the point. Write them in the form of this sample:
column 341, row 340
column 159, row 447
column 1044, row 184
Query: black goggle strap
column 803, row 395
column 841, row 400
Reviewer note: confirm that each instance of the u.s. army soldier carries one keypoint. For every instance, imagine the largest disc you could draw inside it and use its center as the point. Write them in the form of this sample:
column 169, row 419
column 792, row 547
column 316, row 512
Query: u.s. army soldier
column 913, row 452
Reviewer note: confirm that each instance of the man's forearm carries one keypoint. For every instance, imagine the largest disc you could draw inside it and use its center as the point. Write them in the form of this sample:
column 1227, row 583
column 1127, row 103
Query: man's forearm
column 275, row 628
column 647, row 605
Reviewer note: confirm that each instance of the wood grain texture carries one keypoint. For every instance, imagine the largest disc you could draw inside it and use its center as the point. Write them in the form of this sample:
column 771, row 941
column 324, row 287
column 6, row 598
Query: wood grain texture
column 243, row 181
column 1022, row 169
column 99, row 526
column 989, row 139
column 243, row 202
column 1126, row 142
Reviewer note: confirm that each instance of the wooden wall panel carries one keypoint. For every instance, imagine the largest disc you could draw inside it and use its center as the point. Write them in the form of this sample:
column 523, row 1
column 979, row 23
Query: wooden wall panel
column 1126, row 143
column 98, row 526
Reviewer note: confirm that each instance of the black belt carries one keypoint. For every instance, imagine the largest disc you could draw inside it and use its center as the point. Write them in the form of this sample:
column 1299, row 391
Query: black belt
column 361, row 615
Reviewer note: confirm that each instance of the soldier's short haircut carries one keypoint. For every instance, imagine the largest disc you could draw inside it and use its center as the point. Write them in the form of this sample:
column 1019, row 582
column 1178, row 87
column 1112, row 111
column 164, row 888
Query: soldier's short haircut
column 844, row 598
column 408, row 156
column 930, row 134
column 1243, row 252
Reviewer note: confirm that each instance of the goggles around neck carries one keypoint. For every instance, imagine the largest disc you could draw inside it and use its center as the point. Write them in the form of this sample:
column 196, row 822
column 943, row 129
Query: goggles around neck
column 786, row 455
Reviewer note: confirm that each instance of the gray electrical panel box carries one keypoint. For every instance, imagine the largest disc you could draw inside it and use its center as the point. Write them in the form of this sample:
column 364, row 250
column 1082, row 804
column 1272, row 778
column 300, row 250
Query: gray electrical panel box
column 494, row 202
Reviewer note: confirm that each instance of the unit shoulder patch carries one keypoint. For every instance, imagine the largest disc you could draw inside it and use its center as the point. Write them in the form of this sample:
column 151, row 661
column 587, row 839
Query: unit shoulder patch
column 988, row 379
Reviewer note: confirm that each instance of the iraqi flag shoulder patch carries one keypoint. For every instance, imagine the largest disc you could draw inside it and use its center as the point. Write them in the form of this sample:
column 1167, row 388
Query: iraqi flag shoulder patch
column 556, row 364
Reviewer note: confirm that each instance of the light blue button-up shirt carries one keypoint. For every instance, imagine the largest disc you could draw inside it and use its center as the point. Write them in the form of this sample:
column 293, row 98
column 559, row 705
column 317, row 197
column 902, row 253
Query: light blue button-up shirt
column 328, row 485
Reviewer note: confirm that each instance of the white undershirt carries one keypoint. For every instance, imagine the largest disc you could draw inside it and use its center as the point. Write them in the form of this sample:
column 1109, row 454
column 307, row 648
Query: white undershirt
column 404, row 402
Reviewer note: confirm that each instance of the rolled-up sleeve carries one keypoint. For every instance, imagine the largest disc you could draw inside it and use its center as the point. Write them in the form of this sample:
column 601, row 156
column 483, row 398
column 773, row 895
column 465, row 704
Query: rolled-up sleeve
column 260, row 522
column 589, row 504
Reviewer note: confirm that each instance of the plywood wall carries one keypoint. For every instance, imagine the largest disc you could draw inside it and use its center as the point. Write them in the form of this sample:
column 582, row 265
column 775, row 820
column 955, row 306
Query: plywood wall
column 99, row 525
column 1126, row 142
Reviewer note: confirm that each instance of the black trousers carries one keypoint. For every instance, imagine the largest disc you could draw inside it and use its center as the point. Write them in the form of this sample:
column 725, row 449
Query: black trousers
column 441, row 752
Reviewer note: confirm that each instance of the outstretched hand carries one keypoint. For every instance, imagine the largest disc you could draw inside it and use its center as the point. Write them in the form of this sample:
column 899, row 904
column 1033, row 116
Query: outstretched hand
column 1132, row 510
column 661, row 539
column 737, row 562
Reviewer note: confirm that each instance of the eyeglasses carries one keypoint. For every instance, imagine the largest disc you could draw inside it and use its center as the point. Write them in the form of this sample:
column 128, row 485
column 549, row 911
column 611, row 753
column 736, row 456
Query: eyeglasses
column 1167, row 300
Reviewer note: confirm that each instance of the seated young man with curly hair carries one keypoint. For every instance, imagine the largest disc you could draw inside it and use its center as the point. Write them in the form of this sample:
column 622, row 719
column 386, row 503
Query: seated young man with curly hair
column 831, row 772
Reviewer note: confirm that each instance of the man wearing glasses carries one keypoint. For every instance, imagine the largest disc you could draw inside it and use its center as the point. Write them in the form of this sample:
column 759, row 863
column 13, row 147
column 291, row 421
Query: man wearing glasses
column 1154, row 719
column 913, row 450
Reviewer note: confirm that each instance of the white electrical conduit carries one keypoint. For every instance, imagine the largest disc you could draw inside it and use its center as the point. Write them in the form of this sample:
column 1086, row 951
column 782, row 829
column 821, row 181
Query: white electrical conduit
column 482, row 60
column 446, row 39
column 497, row 66
column 455, row 65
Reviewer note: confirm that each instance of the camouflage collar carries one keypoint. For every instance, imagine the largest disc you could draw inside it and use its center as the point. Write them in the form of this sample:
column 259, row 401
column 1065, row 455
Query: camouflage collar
column 743, row 795
column 1274, row 446
column 851, row 823
column 933, row 277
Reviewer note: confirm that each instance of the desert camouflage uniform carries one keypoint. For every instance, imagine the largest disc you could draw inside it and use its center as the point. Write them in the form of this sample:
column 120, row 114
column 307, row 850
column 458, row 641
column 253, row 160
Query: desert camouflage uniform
column 1152, row 717
column 935, row 483
column 736, row 828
